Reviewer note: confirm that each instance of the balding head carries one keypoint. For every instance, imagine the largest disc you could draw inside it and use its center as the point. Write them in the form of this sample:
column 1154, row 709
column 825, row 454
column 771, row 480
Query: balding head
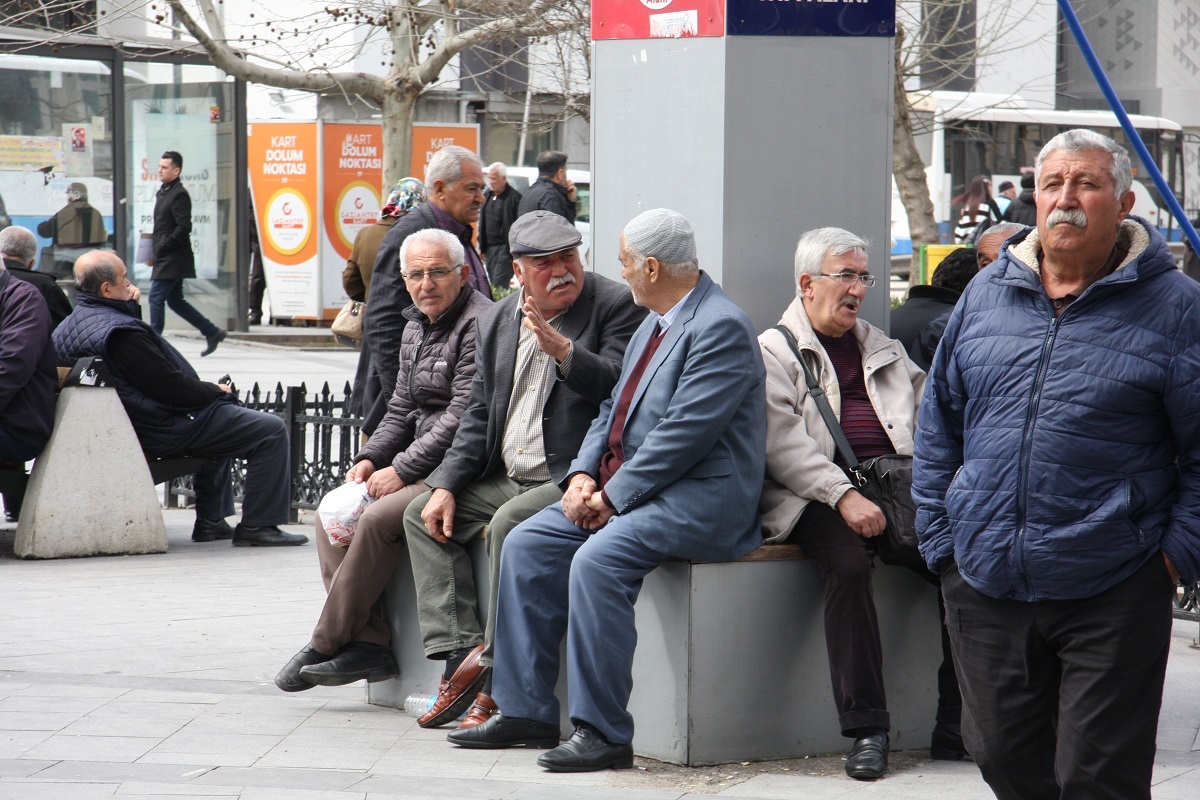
column 102, row 273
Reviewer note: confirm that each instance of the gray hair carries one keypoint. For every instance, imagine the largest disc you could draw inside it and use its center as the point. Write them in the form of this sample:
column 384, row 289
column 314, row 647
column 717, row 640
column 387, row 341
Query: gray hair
column 822, row 243
column 498, row 166
column 1079, row 140
column 1006, row 229
column 674, row 269
column 447, row 164
column 92, row 273
column 18, row 243
column 434, row 236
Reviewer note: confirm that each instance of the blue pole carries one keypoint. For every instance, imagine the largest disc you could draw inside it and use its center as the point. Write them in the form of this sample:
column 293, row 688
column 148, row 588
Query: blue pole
column 1130, row 132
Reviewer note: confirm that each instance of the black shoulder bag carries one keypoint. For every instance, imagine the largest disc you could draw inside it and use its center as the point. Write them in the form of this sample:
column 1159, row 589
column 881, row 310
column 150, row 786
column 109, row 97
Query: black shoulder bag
column 884, row 480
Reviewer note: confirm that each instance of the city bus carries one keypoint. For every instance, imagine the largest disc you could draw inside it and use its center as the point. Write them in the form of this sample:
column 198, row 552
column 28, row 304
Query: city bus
column 964, row 134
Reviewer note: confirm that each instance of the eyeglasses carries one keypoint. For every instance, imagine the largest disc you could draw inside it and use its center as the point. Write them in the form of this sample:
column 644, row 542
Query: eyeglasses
column 847, row 277
column 435, row 275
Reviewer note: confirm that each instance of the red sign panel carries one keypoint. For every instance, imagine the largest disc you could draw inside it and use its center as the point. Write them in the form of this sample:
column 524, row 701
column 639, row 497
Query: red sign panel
column 657, row 19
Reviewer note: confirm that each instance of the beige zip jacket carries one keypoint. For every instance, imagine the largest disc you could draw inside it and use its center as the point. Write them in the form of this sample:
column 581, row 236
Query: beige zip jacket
column 800, row 449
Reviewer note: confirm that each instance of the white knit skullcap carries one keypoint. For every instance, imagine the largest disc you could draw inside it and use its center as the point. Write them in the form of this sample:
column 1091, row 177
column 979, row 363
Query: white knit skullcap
column 663, row 234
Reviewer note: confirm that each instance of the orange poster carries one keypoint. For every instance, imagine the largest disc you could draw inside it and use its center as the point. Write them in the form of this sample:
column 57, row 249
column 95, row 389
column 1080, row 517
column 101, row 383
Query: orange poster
column 353, row 174
column 428, row 139
column 284, row 184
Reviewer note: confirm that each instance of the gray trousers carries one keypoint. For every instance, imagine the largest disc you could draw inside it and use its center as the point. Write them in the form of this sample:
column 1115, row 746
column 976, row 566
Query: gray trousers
column 355, row 576
column 447, row 599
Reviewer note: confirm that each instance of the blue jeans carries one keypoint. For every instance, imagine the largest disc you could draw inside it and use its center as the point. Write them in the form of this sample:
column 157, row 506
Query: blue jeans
column 170, row 292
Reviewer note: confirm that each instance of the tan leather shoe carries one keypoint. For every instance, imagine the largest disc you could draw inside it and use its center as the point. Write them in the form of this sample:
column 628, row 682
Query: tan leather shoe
column 479, row 712
column 457, row 693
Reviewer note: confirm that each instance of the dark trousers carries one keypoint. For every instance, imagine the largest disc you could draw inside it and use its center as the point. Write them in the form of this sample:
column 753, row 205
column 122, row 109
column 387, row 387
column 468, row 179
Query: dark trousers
column 258, row 287
column 355, row 576
column 557, row 578
column 1061, row 697
column 851, row 624
column 262, row 439
column 170, row 293
column 499, row 265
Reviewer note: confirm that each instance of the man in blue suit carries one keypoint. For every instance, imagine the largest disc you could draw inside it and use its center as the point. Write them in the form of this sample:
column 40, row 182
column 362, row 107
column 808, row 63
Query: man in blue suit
column 671, row 468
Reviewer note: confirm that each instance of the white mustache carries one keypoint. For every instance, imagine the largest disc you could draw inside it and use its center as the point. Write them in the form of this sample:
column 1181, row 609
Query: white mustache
column 561, row 280
column 1072, row 216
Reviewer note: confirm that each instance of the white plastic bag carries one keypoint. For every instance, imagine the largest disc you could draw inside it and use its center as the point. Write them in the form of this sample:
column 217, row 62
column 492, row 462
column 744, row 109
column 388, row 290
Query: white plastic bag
column 340, row 510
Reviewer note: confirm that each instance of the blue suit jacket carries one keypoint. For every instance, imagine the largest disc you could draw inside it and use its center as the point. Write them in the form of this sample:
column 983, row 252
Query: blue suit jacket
column 695, row 436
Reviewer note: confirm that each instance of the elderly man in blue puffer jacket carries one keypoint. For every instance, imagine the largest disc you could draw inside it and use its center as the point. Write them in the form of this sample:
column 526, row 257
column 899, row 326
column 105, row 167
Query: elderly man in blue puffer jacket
column 1057, row 478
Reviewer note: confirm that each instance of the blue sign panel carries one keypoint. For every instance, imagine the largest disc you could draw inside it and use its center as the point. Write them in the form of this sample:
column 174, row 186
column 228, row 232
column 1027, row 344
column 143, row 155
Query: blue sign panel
column 810, row 17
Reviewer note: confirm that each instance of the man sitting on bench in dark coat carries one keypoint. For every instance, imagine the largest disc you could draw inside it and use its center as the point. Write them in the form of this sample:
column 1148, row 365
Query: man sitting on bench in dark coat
column 175, row 413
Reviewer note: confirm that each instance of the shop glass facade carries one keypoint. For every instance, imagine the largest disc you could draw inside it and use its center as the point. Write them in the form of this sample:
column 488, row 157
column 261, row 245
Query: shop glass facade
column 186, row 108
column 55, row 131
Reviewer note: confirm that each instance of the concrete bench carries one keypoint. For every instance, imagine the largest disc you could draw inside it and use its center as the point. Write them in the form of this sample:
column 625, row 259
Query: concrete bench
column 731, row 662
column 91, row 491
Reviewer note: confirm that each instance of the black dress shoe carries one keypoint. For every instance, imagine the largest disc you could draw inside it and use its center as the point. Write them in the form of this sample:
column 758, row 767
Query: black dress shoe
column 354, row 662
column 207, row 530
column 946, row 744
column 265, row 536
column 501, row 731
column 289, row 678
column 868, row 757
column 211, row 342
column 587, row 751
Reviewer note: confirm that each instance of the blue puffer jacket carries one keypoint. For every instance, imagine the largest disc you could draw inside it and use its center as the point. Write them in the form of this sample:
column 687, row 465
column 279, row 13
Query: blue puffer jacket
column 1055, row 455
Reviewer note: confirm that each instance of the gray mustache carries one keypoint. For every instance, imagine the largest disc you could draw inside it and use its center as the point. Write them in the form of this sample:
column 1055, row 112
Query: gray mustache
column 554, row 283
column 1072, row 216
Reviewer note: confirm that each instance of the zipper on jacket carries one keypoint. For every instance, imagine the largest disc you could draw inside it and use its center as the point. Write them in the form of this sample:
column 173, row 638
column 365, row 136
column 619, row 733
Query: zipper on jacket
column 426, row 330
column 1039, row 383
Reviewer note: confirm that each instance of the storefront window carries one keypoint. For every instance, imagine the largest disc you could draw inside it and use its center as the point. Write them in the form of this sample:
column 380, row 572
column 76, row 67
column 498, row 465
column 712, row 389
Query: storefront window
column 56, row 153
column 189, row 109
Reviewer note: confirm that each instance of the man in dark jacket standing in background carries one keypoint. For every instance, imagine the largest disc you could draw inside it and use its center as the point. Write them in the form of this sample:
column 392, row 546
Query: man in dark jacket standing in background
column 501, row 204
column 1023, row 210
column 175, row 413
column 173, row 261
column 552, row 191
column 436, row 366
column 454, row 191
column 1057, row 479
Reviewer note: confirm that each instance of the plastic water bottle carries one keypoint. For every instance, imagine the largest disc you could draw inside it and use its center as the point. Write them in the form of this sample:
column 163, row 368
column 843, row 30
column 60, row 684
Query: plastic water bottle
column 418, row 703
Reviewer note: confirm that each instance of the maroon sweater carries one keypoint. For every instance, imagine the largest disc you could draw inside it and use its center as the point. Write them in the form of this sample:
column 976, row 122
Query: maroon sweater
column 864, row 432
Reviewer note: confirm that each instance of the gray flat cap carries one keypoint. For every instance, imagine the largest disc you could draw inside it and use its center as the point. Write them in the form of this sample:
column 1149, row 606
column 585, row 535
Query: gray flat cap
column 540, row 233
column 663, row 234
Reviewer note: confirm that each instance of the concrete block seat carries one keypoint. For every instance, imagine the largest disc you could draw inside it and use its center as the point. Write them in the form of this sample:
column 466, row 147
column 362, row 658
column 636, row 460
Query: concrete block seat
column 731, row 662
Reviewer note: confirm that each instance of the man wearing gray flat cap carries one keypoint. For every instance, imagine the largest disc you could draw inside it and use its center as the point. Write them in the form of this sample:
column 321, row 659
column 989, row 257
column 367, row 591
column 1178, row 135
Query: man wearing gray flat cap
column 546, row 358
column 672, row 468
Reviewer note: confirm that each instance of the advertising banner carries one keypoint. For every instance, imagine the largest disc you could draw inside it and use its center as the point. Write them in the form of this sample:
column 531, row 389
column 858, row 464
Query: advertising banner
column 284, row 184
column 657, row 19
column 352, row 162
column 428, row 139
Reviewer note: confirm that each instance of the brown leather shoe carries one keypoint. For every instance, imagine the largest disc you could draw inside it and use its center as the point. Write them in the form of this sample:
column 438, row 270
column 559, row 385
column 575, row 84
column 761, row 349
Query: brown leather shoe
column 479, row 712
column 457, row 693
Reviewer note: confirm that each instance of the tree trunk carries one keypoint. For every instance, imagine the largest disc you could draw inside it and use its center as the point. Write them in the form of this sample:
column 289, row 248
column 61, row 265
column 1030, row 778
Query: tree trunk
column 398, row 109
column 909, row 172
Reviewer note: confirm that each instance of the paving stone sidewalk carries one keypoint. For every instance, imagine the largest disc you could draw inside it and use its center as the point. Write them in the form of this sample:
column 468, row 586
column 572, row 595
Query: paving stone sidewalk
column 150, row 677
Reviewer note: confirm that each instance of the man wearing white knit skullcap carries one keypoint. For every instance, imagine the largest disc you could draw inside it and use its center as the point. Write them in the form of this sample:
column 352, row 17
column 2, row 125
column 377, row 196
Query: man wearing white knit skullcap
column 671, row 468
